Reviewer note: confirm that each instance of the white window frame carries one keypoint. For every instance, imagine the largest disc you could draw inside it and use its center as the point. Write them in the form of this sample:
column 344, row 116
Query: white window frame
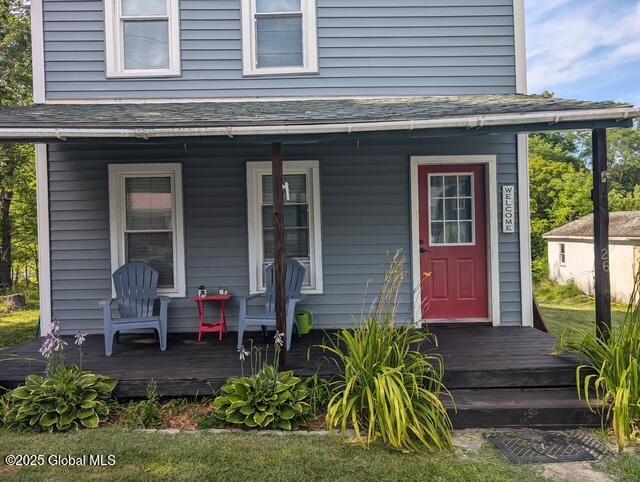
column 114, row 40
column 309, row 42
column 255, row 171
column 473, row 209
column 562, row 254
column 118, row 173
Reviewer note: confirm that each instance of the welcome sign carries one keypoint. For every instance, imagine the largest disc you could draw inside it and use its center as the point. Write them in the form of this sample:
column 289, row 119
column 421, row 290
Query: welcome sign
column 508, row 208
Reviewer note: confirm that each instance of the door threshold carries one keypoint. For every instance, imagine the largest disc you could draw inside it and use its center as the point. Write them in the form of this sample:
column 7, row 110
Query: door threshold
column 459, row 322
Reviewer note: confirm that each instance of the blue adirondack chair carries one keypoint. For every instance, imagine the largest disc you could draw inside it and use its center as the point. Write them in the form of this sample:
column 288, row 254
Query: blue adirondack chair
column 294, row 280
column 136, row 293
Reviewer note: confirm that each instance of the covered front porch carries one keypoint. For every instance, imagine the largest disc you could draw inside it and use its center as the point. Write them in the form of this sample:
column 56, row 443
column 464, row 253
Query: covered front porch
column 497, row 376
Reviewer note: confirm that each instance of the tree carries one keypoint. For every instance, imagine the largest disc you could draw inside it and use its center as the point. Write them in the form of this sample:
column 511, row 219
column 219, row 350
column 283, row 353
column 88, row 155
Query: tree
column 15, row 90
column 624, row 155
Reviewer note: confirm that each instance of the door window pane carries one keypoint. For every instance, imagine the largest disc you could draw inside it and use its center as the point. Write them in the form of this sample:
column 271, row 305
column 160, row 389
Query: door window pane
column 132, row 8
column 154, row 249
column 279, row 41
column 451, row 201
column 436, row 186
column 146, row 44
column 271, row 6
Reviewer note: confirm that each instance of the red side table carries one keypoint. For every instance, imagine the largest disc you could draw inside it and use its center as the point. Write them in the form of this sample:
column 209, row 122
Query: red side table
column 220, row 326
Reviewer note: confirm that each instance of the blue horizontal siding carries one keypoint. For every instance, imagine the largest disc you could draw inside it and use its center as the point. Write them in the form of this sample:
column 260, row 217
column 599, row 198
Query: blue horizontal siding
column 365, row 215
column 381, row 47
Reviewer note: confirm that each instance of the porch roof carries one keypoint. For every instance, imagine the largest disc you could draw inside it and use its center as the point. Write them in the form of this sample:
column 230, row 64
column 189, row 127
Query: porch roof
column 269, row 117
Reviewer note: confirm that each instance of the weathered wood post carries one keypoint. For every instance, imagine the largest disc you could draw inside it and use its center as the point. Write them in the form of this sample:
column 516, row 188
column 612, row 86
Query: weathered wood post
column 601, row 233
column 280, row 254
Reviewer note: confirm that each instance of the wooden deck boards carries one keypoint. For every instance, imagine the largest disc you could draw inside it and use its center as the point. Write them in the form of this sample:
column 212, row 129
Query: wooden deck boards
column 474, row 357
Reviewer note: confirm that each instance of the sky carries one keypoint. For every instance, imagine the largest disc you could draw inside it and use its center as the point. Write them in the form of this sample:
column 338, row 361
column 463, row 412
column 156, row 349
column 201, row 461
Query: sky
column 585, row 49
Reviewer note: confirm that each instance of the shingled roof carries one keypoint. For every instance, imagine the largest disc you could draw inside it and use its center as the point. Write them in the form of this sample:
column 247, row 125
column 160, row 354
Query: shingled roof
column 623, row 224
column 303, row 116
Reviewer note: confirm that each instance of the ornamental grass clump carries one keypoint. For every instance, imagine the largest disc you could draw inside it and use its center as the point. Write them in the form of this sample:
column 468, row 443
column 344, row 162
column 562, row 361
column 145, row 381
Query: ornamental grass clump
column 610, row 381
column 388, row 389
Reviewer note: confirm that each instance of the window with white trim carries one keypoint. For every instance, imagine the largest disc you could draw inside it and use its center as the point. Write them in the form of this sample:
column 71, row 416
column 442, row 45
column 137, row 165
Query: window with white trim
column 563, row 255
column 146, row 220
column 301, row 220
column 279, row 37
column 142, row 38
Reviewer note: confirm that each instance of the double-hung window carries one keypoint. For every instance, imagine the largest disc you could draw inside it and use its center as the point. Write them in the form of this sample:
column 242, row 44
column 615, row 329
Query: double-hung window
column 563, row 254
column 142, row 38
column 146, row 220
column 279, row 37
column 301, row 221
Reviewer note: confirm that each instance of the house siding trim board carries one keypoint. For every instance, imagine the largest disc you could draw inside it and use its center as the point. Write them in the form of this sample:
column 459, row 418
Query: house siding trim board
column 44, row 243
column 365, row 215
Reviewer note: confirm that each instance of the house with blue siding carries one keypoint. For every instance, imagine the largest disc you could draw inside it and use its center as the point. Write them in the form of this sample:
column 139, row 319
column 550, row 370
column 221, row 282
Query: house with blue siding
column 402, row 126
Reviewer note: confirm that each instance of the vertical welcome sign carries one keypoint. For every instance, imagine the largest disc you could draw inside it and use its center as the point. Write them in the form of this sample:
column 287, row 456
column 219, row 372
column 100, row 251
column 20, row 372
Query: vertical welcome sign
column 508, row 204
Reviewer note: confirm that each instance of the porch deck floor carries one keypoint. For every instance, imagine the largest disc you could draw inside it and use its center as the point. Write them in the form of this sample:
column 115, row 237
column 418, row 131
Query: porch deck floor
column 474, row 357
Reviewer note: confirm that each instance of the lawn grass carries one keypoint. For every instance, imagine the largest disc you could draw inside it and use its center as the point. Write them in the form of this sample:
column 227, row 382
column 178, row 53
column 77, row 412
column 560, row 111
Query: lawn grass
column 19, row 326
column 566, row 307
column 208, row 456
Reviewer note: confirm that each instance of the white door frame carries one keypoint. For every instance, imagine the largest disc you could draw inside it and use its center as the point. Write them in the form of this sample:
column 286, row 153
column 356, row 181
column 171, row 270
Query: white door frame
column 491, row 194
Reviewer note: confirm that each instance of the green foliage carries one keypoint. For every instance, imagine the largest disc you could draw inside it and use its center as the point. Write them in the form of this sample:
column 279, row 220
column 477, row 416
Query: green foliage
column 67, row 400
column 550, row 292
column 612, row 375
column 267, row 399
column 320, row 392
column 624, row 155
column 389, row 389
column 146, row 413
column 559, row 193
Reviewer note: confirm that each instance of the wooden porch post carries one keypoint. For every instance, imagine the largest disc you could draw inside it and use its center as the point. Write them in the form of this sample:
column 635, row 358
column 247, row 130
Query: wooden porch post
column 601, row 233
column 280, row 254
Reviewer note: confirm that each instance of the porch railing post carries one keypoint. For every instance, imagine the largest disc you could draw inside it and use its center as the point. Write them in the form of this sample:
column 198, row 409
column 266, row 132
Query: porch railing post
column 280, row 253
column 601, row 234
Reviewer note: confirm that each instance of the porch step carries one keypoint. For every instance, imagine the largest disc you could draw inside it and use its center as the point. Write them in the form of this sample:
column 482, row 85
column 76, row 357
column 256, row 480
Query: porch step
column 534, row 377
column 549, row 408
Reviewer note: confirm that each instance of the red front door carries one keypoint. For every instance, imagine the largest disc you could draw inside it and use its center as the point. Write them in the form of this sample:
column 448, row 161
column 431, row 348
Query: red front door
column 453, row 242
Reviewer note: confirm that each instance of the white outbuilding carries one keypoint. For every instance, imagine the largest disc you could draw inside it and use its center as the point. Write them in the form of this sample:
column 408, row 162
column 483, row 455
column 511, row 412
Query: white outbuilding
column 571, row 255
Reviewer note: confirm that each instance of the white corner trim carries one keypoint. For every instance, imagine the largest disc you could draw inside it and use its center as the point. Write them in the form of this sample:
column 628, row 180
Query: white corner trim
column 524, row 229
column 44, row 245
column 492, row 225
column 309, row 42
column 256, row 169
column 520, row 34
column 117, row 174
column 37, row 51
column 114, row 41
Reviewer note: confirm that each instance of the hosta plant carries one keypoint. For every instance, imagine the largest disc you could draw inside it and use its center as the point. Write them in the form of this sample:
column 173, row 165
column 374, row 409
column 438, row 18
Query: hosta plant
column 267, row 399
column 66, row 400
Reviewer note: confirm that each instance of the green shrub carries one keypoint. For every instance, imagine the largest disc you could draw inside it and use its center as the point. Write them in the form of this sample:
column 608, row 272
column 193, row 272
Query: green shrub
column 320, row 392
column 67, row 400
column 267, row 399
column 146, row 413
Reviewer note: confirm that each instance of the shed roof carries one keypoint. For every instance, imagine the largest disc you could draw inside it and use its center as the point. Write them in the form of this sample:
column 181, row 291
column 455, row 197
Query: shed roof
column 622, row 224
column 303, row 116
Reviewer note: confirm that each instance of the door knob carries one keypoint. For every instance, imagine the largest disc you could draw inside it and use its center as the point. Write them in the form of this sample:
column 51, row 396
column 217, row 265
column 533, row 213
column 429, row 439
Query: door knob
column 422, row 250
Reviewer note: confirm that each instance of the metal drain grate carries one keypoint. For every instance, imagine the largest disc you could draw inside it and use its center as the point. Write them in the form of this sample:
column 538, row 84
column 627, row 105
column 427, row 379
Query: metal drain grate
column 538, row 447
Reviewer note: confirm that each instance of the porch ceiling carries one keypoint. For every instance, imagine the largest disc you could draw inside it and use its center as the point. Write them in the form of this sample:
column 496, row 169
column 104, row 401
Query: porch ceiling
column 311, row 116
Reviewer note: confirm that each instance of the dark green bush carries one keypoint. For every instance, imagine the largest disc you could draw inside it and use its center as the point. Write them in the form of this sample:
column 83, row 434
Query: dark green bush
column 68, row 399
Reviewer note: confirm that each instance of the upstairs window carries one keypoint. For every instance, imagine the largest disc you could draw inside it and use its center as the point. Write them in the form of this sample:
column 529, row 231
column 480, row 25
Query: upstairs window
column 279, row 37
column 142, row 38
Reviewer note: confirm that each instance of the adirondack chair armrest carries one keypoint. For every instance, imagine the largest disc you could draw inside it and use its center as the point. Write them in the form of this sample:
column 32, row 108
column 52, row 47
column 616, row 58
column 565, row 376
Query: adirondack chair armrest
column 106, row 308
column 164, row 306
